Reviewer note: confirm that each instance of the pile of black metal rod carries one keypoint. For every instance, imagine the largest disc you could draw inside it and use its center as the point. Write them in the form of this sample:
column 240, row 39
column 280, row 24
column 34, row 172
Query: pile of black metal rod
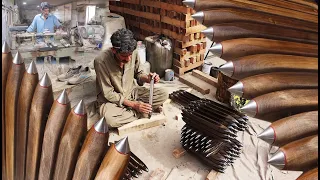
column 135, row 168
column 211, row 129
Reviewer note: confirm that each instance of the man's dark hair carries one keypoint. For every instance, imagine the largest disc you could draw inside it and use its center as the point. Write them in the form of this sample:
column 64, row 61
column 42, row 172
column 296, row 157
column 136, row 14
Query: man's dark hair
column 123, row 41
column 45, row 5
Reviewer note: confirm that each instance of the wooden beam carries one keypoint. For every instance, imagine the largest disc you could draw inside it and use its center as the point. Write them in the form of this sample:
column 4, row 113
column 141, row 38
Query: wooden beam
column 205, row 77
column 141, row 124
column 195, row 83
column 212, row 175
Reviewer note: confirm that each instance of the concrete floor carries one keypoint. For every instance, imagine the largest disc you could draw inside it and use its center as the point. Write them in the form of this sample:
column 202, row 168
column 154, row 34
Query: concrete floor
column 155, row 145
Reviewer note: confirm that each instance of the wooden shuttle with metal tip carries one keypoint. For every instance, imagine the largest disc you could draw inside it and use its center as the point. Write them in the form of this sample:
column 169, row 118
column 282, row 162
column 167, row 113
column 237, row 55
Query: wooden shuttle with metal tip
column 236, row 48
column 267, row 63
column 28, row 85
column 228, row 31
column 40, row 108
column 52, row 134
column 254, row 86
column 92, row 151
column 115, row 161
column 300, row 155
column 228, row 15
column 13, row 84
column 6, row 65
column 291, row 128
column 73, row 135
column 288, row 102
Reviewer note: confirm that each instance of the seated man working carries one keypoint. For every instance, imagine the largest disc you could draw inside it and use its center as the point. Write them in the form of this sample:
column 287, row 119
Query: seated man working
column 119, row 99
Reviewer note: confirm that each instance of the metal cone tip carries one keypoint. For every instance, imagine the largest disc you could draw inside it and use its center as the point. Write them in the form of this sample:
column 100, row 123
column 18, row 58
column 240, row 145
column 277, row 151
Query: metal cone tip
column 208, row 32
column 32, row 69
column 101, row 126
column 18, row 59
column 189, row 3
column 268, row 135
column 63, row 97
column 278, row 160
column 237, row 89
column 5, row 48
column 122, row 146
column 216, row 50
column 250, row 108
column 199, row 16
column 45, row 81
column 227, row 69
column 80, row 108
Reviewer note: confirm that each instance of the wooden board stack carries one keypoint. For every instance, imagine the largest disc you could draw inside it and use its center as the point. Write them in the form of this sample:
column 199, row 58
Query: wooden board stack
column 170, row 18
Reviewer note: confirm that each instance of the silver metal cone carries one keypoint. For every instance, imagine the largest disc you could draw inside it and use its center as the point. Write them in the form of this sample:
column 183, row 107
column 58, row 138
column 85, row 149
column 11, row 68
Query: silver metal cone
column 267, row 135
column 80, row 108
column 18, row 59
column 237, row 89
column 227, row 69
column 199, row 16
column 122, row 146
column 45, row 81
column 208, row 32
column 101, row 126
column 250, row 108
column 278, row 160
column 5, row 48
column 189, row 3
column 63, row 98
column 216, row 50
column 32, row 69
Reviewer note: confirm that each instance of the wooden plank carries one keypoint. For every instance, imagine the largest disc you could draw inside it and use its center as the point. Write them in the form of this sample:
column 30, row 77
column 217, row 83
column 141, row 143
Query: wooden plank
column 141, row 124
column 190, row 55
column 180, row 51
column 178, row 152
column 212, row 175
column 195, row 29
column 205, row 77
column 149, row 28
column 174, row 22
column 150, row 16
column 116, row 8
column 131, row 12
column 131, row 1
column 180, row 71
column 195, row 83
column 176, row 8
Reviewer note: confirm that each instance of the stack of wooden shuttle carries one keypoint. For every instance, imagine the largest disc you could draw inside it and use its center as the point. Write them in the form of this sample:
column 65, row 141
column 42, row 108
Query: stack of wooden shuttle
column 46, row 139
column 272, row 49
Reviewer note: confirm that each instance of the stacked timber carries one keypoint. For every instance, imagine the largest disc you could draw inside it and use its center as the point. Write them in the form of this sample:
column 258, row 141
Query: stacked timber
column 271, row 49
column 170, row 18
column 46, row 139
column 211, row 130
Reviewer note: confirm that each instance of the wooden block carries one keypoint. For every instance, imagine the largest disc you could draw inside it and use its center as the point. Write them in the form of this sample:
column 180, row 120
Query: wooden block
column 178, row 63
column 178, row 152
column 195, row 83
column 141, row 124
column 180, row 51
column 157, row 174
column 205, row 77
column 186, row 62
column 201, row 57
column 212, row 175
column 181, row 70
column 197, row 35
column 198, row 58
column 192, row 60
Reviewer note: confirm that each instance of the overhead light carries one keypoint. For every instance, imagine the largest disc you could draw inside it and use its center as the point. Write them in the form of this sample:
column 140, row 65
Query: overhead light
column 38, row 6
column 24, row 3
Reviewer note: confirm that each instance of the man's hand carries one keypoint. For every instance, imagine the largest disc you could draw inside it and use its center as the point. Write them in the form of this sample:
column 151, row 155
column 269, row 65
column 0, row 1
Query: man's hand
column 142, row 107
column 156, row 77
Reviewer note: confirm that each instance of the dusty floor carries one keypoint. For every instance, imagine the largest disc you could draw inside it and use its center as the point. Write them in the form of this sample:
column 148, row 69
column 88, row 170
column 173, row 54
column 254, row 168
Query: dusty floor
column 155, row 145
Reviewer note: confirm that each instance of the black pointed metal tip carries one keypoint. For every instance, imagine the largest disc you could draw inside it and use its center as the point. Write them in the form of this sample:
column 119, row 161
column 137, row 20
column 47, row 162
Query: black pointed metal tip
column 80, row 109
column 5, row 48
column 101, row 126
column 250, row 109
column 268, row 135
column 45, row 81
column 237, row 89
column 216, row 50
column 227, row 69
column 63, row 98
column 32, row 69
column 199, row 16
column 18, row 59
column 189, row 3
column 208, row 32
column 122, row 146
